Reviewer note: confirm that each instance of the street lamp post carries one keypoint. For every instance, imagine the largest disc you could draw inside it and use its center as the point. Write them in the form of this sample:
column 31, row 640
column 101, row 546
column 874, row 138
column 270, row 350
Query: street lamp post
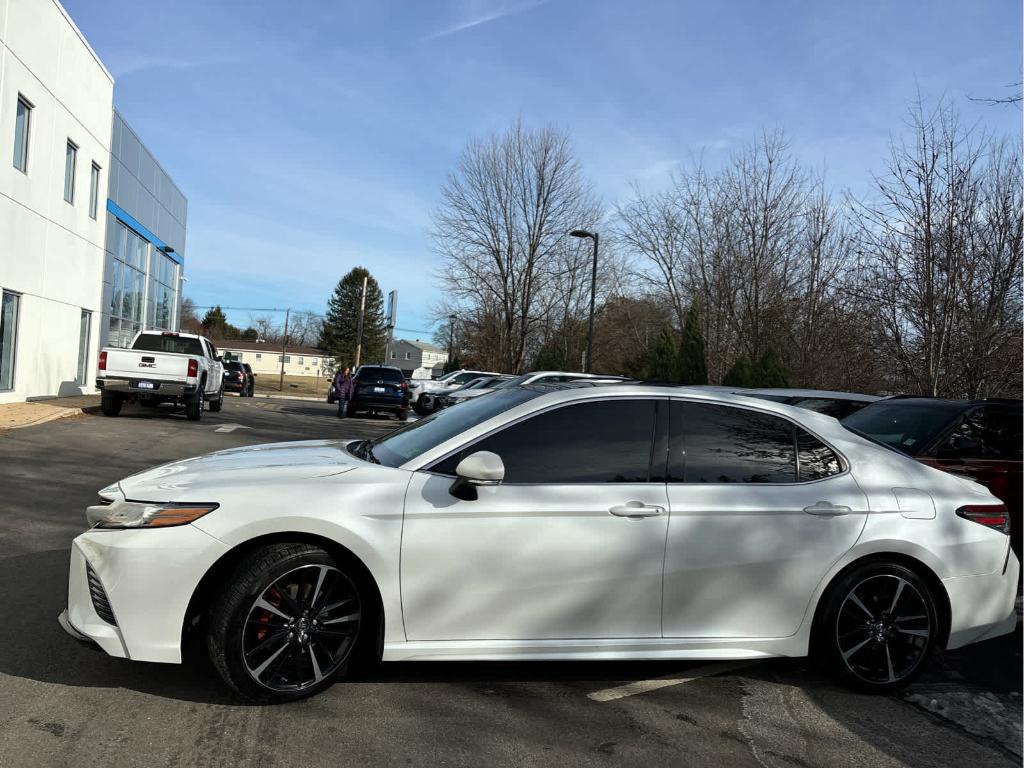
column 593, row 293
column 451, row 339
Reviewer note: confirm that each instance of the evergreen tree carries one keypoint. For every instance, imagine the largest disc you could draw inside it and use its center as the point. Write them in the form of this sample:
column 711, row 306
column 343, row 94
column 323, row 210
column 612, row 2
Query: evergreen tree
column 453, row 364
column 339, row 332
column 771, row 372
column 551, row 358
column 215, row 325
column 741, row 374
column 693, row 365
column 661, row 358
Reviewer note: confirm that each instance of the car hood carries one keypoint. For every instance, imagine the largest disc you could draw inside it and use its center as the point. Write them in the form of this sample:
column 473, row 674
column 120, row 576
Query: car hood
column 254, row 465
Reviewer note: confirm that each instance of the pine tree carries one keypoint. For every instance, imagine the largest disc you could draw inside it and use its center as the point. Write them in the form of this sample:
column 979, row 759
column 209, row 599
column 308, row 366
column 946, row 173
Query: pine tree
column 771, row 371
column 341, row 325
column 741, row 374
column 693, row 365
column 661, row 358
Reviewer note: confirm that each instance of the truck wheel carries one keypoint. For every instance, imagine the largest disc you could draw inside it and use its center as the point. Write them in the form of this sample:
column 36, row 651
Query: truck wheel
column 110, row 403
column 194, row 407
column 218, row 402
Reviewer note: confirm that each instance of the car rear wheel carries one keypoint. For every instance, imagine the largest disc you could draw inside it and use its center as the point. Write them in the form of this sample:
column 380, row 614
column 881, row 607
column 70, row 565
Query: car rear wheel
column 194, row 407
column 217, row 402
column 110, row 403
column 286, row 624
column 879, row 627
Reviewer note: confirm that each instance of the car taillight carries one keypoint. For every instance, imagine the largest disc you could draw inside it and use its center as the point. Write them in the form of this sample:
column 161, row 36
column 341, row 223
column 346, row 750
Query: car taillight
column 193, row 368
column 992, row 516
column 103, row 360
column 403, row 385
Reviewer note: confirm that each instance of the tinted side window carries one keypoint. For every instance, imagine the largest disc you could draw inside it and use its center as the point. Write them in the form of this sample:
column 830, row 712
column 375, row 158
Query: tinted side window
column 817, row 460
column 722, row 444
column 836, row 408
column 380, row 374
column 991, row 432
column 602, row 442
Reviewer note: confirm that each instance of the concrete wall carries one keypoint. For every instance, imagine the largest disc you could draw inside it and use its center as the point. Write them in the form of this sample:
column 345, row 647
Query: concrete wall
column 51, row 252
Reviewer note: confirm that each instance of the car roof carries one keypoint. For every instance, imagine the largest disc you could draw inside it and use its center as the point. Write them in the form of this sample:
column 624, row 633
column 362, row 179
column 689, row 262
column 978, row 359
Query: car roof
column 819, row 393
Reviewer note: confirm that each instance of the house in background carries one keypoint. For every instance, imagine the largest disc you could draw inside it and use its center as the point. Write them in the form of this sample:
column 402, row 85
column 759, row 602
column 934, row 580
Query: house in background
column 416, row 358
column 265, row 358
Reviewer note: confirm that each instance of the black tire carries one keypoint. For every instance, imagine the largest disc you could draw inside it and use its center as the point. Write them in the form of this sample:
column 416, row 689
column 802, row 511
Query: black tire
column 418, row 407
column 218, row 402
column 403, row 415
column 194, row 407
column 878, row 627
column 233, row 637
column 110, row 403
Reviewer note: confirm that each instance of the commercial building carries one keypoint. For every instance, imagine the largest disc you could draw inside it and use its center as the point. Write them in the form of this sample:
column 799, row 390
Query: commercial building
column 416, row 358
column 92, row 230
column 266, row 358
column 55, row 119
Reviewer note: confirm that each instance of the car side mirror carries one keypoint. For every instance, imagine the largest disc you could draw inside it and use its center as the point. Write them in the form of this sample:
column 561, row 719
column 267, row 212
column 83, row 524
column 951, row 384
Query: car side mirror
column 480, row 468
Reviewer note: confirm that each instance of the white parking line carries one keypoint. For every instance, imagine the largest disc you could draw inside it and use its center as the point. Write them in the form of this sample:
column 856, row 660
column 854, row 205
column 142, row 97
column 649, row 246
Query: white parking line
column 645, row 686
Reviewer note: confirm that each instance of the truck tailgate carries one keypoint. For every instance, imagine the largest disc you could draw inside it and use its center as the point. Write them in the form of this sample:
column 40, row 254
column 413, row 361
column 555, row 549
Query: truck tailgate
column 137, row 364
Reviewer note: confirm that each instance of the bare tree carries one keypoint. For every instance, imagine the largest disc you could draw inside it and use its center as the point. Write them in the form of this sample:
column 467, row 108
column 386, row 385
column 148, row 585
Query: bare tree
column 940, row 258
column 501, row 231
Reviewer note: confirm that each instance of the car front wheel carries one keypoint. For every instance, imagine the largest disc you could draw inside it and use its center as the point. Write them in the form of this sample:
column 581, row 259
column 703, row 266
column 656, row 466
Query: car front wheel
column 286, row 623
column 879, row 627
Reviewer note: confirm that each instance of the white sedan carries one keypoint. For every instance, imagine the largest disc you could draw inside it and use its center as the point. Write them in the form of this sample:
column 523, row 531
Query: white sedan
column 548, row 522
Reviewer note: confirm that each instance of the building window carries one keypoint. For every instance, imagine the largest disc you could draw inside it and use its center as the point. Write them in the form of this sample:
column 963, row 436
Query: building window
column 408, row 355
column 127, row 294
column 8, row 337
column 22, row 125
column 70, row 161
column 163, row 277
column 315, row 361
column 83, row 345
column 259, row 356
column 302, row 361
column 94, row 190
column 284, row 358
column 393, row 354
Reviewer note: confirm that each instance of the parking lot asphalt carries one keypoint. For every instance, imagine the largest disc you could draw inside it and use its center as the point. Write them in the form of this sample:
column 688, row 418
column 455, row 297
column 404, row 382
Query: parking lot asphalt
column 62, row 703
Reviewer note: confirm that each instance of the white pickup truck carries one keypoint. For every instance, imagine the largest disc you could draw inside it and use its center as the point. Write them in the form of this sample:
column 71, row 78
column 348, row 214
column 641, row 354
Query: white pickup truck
column 447, row 383
column 162, row 367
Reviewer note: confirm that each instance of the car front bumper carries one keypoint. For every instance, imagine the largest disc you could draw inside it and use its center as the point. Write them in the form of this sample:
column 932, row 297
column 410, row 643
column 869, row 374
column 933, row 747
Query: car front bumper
column 147, row 578
column 983, row 606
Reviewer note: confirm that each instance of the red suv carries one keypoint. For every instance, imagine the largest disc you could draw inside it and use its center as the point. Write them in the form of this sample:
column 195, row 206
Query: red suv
column 980, row 439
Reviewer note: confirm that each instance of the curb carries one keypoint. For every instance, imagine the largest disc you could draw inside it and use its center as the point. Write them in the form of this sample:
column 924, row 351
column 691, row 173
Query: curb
column 62, row 414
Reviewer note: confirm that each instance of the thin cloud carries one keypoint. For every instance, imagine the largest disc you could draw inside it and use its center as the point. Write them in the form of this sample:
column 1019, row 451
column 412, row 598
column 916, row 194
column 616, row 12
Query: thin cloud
column 476, row 20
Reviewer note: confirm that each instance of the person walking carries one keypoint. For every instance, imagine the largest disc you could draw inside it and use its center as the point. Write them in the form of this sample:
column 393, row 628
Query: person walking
column 343, row 389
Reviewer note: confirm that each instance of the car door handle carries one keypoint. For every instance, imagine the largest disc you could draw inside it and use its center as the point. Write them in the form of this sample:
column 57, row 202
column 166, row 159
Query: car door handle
column 636, row 509
column 827, row 509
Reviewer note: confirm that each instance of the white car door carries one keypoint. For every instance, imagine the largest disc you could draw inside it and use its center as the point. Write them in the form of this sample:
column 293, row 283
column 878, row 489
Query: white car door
column 750, row 538
column 570, row 545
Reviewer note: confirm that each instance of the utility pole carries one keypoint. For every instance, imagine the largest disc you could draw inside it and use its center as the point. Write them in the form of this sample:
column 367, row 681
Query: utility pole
column 284, row 349
column 451, row 341
column 593, row 293
column 359, row 333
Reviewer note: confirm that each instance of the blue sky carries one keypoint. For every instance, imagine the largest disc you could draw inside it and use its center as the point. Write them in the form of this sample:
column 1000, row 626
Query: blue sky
column 310, row 137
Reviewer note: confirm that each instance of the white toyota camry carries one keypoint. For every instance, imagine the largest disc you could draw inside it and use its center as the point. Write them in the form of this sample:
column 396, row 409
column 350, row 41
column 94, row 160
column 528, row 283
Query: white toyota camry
column 569, row 522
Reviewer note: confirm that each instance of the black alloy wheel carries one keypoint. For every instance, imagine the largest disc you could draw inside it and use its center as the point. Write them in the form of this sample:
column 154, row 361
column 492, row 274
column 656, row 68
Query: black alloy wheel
column 287, row 624
column 882, row 626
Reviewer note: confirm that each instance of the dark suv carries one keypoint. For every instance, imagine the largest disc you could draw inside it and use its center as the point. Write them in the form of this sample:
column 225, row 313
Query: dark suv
column 238, row 379
column 379, row 389
column 980, row 439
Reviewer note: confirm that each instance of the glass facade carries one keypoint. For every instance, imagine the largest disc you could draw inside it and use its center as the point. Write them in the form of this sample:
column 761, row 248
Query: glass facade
column 22, row 122
column 144, row 284
column 83, row 346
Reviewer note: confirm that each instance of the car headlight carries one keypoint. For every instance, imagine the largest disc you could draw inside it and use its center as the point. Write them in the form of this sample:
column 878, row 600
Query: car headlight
column 140, row 514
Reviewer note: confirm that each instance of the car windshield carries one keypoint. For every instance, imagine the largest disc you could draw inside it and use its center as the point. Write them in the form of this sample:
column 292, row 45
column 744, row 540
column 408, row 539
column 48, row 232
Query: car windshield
column 907, row 427
column 232, row 365
column 419, row 437
column 170, row 344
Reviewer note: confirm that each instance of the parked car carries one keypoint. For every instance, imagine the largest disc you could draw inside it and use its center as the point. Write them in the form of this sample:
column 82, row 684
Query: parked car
column 379, row 389
column 237, row 379
column 836, row 404
column 447, row 383
column 475, row 388
column 548, row 522
column 977, row 439
column 162, row 367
